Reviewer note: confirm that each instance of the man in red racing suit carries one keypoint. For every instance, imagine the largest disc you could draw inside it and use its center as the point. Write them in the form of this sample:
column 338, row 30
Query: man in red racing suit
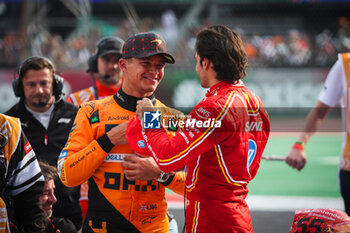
column 222, row 139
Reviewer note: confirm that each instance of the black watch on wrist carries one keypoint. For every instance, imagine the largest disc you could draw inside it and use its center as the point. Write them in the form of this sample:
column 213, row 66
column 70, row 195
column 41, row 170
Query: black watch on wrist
column 163, row 177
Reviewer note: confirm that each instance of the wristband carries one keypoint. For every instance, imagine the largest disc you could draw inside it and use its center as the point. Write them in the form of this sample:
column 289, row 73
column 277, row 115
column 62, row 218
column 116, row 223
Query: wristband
column 163, row 177
column 298, row 145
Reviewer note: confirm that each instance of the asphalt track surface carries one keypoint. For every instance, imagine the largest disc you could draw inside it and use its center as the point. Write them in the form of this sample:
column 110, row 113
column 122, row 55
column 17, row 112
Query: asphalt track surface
column 263, row 221
column 269, row 213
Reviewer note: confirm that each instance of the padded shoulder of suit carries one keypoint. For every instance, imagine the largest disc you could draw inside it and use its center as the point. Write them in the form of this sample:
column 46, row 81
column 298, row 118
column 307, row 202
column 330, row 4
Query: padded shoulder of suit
column 92, row 108
column 82, row 96
column 10, row 127
column 169, row 111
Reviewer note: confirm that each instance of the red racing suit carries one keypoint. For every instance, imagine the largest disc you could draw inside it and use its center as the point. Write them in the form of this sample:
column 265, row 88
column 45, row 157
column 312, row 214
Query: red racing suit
column 221, row 141
column 115, row 203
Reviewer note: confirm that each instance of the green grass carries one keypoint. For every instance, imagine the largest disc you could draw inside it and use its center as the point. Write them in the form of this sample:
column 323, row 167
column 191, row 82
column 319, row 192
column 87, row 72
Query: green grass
column 318, row 178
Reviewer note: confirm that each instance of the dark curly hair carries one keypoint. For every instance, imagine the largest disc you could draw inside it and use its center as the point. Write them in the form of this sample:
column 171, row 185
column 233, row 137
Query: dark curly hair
column 224, row 48
column 49, row 172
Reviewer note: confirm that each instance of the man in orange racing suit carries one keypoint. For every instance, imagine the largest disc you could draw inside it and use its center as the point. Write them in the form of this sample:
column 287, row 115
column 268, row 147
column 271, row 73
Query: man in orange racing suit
column 96, row 148
column 103, row 66
column 221, row 140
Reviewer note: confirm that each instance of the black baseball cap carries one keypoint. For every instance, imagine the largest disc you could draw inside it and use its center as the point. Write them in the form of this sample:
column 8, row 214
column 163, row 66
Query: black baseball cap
column 109, row 44
column 145, row 45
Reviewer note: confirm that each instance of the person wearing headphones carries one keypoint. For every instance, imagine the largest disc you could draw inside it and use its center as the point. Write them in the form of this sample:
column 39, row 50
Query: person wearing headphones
column 47, row 120
column 104, row 69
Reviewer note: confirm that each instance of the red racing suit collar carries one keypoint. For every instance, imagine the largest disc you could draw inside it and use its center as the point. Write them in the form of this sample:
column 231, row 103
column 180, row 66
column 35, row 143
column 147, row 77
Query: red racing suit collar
column 213, row 90
column 103, row 91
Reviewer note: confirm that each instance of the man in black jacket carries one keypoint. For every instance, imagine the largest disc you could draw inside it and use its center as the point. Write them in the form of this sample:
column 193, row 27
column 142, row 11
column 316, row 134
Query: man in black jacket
column 47, row 120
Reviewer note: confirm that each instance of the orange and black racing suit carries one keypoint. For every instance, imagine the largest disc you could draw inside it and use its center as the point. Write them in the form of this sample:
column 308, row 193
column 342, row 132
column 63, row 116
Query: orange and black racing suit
column 115, row 203
column 97, row 92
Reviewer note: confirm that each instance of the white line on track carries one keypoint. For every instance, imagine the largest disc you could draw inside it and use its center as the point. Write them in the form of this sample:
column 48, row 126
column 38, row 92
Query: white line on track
column 282, row 203
column 329, row 160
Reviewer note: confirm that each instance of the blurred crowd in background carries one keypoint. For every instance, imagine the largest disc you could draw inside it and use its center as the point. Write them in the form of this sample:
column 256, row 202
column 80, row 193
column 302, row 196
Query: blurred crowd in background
column 292, row 47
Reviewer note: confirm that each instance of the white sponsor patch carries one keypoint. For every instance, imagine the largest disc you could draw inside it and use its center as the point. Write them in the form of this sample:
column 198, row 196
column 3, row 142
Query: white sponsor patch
column 202, row 113
column 64, row 120
column 253, row 126
column 116, row 157
column 59, row 166
column 63, row 154
column 184, row 136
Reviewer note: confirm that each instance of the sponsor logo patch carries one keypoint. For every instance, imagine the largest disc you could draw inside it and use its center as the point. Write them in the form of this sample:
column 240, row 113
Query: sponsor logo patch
column 202, row 113
column 159, row 42
column 27, row 148
column 118, row 118
column 62, row 173
column 148, row 207
column 253, row 126
column 94, row 118
column 115, row 158
column 252, row 148
column 63, row 154
column 120, row 97
column 148, row 220
column 59, row 166
column 141, row 144
column 64, row 120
